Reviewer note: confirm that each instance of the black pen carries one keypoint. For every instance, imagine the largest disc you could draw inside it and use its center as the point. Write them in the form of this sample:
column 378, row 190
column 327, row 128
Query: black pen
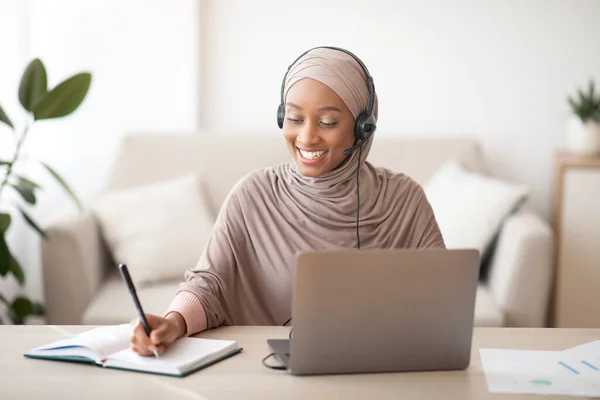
column 131, row 287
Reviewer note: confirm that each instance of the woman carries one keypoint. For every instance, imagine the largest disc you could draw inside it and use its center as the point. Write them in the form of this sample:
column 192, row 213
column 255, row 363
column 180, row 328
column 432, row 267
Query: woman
column 244, row 276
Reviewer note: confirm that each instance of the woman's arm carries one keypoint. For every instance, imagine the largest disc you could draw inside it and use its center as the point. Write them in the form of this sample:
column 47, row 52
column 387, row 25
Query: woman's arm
column 201, row 299
column 429, row 234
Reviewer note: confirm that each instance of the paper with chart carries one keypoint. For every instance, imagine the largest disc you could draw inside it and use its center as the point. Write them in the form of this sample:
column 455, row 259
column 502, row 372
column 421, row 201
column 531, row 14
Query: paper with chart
column 573, row 372
column 588, row 355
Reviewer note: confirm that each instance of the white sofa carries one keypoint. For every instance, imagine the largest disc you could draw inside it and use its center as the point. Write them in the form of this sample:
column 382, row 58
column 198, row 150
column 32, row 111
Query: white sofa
column 82, row 285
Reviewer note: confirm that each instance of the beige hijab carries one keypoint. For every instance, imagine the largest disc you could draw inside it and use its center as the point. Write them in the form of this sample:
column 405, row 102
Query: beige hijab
column 244, row 275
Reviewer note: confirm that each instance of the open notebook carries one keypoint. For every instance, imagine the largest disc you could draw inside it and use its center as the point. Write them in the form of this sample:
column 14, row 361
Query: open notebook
column 108, row 346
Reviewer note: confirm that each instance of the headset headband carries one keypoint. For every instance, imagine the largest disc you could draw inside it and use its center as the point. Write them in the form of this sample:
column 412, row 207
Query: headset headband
column 370, row 84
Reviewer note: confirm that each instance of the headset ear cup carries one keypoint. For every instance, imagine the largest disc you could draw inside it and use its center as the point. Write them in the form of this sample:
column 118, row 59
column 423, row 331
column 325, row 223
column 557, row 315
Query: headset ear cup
column 370, row 125
column 359, row 126
column 280, row 115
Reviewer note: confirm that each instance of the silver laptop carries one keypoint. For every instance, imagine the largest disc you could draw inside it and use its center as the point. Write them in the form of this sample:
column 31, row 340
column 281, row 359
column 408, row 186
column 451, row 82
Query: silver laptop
column 381, row 311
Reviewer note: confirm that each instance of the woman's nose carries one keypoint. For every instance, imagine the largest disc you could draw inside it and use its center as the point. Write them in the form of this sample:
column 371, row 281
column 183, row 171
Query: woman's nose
column 308, row 134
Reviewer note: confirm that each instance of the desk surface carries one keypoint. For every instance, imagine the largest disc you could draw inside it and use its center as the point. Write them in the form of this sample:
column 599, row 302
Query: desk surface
column 244, row 376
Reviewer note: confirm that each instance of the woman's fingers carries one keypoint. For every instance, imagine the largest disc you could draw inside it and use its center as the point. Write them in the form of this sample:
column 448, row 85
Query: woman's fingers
column 140, row 333
column 162, row 335
column 142, row 351
column 139, row 340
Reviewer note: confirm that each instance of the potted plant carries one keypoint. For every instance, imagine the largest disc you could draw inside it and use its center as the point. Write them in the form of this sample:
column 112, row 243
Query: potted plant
column 40, row 103
column 583, row 133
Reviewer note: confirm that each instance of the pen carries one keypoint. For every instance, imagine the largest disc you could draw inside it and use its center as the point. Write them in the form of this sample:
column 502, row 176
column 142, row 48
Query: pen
column 131, row 288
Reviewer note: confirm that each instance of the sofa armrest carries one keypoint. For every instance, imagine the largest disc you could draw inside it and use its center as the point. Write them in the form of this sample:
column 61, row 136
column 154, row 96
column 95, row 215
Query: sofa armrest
column 74, row 262
column 522, row 269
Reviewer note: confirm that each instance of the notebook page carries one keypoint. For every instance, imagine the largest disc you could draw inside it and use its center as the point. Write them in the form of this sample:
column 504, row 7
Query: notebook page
column 184, row 354
column 102, row 341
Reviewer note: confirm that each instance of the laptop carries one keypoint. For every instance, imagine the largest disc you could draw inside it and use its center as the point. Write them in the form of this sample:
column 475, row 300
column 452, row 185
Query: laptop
column 359, row 311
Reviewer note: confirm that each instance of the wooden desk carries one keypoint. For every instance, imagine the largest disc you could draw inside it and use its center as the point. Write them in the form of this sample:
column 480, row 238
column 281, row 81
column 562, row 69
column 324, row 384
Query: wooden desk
column 244, row 377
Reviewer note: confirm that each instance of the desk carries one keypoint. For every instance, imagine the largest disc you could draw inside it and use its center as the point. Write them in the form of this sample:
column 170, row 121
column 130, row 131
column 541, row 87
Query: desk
column 244, row 377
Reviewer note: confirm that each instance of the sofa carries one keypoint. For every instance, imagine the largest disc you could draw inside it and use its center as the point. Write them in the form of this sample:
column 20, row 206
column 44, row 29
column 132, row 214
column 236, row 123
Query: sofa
column 82, row 284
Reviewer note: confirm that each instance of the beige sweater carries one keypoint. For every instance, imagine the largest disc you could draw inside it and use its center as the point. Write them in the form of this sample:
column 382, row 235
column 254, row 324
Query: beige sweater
column 244, row 275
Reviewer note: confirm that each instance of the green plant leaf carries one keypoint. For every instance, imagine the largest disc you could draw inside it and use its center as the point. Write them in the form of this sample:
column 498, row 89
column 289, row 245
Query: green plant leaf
column 4, row 118
column 27, row 182
column 14, row 316
column 64, row 98
column 34, row 84
column 22, row 306
column 2, row 299
column 4, row 222
column 33, row 224
column 582, row 99
column 38, row 309
column 5, row 256
column 17, row 271
column 25, row 191
column 64, row 184
column 585, row 104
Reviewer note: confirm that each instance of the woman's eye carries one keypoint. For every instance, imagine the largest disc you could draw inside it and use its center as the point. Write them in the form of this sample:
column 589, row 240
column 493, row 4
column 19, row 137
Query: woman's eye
column 328, row 124
column 294, row 121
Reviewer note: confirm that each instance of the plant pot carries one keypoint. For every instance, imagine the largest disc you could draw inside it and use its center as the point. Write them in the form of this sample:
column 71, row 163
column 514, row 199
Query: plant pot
column 582, row 137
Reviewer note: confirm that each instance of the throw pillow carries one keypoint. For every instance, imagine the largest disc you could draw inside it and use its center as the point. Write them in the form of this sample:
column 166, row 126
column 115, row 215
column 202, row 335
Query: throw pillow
column 159, row 229
column 470, row 207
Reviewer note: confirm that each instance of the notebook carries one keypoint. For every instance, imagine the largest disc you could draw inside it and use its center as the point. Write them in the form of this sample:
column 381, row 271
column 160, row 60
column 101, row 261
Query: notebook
column 108, row 346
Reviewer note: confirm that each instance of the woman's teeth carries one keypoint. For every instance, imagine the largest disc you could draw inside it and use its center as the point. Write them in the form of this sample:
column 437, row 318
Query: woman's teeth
column 311, row 155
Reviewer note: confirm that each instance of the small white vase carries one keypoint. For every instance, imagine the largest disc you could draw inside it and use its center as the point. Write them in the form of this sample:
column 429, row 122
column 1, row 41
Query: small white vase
column 583, row 138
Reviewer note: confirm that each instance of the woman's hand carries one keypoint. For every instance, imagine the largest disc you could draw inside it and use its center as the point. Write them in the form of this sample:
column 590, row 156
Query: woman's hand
column 164, row 331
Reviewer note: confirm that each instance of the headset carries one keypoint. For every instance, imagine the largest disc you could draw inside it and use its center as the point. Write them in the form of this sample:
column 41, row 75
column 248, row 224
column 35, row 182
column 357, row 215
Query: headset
column 365, row 123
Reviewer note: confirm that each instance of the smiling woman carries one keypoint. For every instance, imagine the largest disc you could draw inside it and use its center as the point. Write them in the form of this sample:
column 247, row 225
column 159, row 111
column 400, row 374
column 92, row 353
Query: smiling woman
column 328, row 113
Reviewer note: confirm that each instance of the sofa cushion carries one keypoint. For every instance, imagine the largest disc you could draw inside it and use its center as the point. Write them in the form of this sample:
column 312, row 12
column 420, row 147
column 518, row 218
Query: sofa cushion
column 113, row 304
column 159, row 229
column 470, row 207
column 487, row 313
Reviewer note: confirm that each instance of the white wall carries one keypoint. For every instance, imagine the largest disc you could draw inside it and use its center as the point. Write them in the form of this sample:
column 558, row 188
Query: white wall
column 497, row 71
column 143, row 55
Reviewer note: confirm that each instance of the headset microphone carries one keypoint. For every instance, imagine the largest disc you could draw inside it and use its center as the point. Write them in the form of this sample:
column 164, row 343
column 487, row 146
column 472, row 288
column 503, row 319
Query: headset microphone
column 350, row 150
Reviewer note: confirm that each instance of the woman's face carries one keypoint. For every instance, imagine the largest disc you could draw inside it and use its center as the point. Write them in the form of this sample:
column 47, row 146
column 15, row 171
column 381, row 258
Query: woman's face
column 318, row 127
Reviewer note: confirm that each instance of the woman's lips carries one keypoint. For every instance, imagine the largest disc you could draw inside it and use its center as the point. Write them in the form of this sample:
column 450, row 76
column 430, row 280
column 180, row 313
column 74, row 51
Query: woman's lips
column 311, row 156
